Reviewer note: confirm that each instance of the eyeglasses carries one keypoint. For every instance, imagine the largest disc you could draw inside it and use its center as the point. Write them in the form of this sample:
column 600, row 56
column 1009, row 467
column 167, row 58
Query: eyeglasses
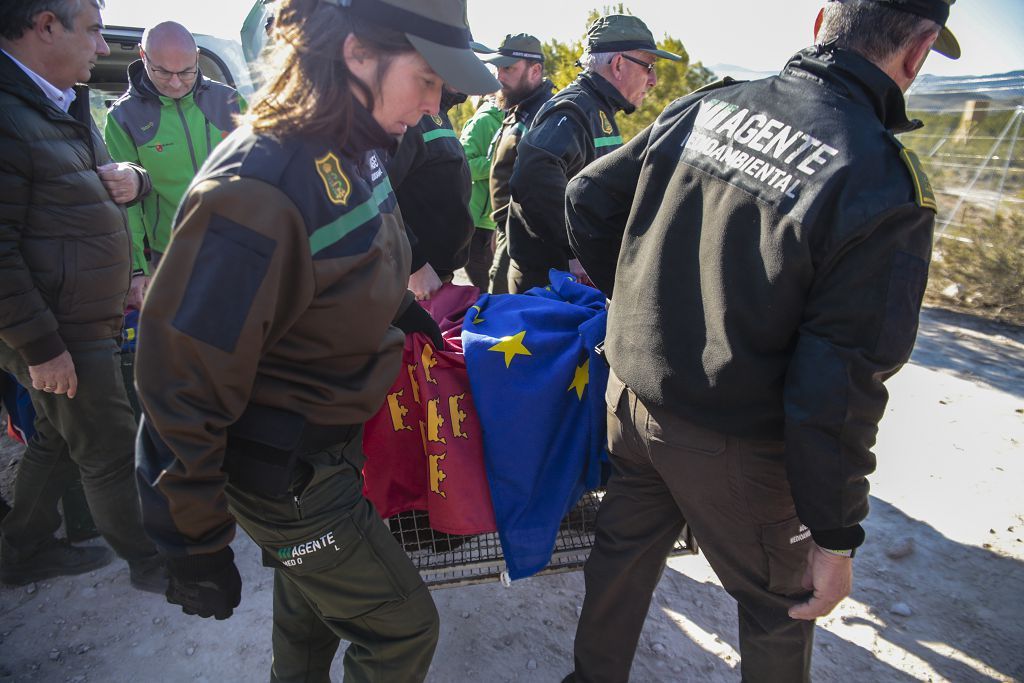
column 186, row 75
column 646, row 65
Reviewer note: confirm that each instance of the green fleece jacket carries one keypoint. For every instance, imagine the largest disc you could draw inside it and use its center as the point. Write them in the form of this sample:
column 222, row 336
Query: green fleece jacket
column 476, row 141
column 170, row 139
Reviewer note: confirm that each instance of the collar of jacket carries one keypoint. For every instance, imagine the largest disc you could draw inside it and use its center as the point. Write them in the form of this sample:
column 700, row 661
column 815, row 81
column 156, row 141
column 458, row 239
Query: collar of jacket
column 16, row 82
column 141, row 85
column 542, row 93
column 605, row 91
column 366, row 134
column 861, row 79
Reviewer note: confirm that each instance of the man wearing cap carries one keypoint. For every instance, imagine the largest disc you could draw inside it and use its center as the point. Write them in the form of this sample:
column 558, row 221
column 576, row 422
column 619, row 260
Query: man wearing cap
column 765, row 246
column 575, row 127
column 520, row 64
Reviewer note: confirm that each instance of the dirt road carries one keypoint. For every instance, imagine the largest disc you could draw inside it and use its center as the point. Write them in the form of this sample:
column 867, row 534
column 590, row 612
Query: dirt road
column 939, row 587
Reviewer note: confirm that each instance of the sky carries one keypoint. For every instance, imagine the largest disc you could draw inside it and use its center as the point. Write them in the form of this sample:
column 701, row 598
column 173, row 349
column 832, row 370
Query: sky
column 754, row 34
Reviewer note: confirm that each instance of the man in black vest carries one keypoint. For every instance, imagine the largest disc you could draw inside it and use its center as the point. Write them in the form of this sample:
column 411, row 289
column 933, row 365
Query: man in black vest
column 575, row 127
column 765, row 246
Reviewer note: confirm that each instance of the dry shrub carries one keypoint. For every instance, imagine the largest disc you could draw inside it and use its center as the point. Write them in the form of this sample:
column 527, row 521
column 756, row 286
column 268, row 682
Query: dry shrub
column 981, row 269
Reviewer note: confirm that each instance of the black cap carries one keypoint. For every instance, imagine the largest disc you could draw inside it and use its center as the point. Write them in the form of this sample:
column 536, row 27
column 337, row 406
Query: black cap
column 936, row 10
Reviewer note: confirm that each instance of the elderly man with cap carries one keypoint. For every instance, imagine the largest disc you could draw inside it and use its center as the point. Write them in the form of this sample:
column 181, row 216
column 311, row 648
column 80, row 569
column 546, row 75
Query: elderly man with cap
column 573, row 129
column 765, row 246
column 168, row 122
column 520, row 64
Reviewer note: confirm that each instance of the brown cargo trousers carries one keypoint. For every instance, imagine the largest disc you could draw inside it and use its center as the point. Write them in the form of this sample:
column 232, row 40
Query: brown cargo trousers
column 735, row 496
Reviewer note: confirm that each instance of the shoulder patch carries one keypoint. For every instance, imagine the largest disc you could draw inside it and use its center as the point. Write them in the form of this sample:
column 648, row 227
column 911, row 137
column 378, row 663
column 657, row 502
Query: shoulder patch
column 923, row 193
column 437, row 120
column 606, row 125
column 335, row 181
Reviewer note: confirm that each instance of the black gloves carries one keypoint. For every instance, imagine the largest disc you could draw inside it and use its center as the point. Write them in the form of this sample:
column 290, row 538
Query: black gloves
column 415, row 319
column 207, row 585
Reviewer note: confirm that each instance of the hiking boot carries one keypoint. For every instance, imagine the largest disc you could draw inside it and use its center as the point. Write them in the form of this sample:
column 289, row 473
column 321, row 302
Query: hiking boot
column 149, row 574
column 57, row 558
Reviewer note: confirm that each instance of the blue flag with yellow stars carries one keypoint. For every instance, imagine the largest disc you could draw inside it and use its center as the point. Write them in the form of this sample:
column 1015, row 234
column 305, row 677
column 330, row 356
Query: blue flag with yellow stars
column 539, row 388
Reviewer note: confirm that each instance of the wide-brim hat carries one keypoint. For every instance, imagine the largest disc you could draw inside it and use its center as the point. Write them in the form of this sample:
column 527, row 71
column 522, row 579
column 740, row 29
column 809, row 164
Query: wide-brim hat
column 516, row 47
column 439, row 31
column 622, row 33
column 936, row 10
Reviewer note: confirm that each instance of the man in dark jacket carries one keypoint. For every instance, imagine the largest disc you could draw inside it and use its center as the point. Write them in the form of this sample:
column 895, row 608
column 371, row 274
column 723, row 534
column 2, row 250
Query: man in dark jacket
column 575, row 127
column 766, row 248
column 520, row 64
column 430, row 174
column 65, row 263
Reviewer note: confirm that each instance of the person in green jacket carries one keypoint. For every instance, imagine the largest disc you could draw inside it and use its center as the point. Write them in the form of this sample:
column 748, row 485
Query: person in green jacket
column 168, row 122
column 476, row 141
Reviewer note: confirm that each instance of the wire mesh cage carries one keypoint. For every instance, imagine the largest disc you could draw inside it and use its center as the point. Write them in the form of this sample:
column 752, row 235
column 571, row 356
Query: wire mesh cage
column 445, row 561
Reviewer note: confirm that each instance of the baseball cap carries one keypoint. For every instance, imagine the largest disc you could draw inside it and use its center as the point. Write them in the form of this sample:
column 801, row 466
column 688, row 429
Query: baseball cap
column 439, row 31
column 516, row 47
column 621, row 33
column 936, row 10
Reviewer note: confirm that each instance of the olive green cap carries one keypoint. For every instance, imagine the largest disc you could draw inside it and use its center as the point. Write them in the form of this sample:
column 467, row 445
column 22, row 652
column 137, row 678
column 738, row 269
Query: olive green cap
column 439, row 30
column 516, row 47
column 622, row 33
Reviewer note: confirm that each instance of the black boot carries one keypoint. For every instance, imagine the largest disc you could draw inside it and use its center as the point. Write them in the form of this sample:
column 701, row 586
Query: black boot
column 57, row 558
column 149, row 574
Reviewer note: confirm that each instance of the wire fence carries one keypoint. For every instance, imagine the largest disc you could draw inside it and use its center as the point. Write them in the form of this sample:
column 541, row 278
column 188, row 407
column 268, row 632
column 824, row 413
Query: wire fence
column 971, row 152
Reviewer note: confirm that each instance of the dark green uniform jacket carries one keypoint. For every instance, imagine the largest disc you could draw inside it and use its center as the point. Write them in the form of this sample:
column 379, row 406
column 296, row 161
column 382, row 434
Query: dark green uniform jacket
column 572, row 129
column 432, row 182
column 503, row 148
column 288, row 265
column 171, row 139
column 65, row 248
column 775, row 239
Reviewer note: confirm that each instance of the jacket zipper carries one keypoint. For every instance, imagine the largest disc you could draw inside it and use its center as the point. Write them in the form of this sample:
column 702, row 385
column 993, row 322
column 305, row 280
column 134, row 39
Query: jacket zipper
column 188, row 136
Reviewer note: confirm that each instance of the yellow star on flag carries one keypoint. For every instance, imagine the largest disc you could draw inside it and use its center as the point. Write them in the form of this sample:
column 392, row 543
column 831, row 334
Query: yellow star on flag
column 476, row 316
column 512, row 347
column 581, row 379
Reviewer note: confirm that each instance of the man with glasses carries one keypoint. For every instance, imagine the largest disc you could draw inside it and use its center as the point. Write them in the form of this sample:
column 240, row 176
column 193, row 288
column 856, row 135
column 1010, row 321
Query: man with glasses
column 168, row 121
column 571, row 130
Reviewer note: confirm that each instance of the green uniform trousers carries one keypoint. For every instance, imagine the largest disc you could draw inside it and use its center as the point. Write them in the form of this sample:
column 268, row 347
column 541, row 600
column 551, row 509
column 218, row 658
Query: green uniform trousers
column 521, row 278
column 498, row 275
column 338, row 575
column 734, row 494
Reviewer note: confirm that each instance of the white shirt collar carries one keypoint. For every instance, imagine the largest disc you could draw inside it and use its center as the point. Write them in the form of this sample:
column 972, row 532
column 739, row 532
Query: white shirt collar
column 62, row 98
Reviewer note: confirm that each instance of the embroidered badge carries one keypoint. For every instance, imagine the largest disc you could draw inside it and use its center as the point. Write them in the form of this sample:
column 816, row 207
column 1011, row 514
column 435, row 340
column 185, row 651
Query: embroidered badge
column 335, row 180
column 606, row 125
column 437, row 120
